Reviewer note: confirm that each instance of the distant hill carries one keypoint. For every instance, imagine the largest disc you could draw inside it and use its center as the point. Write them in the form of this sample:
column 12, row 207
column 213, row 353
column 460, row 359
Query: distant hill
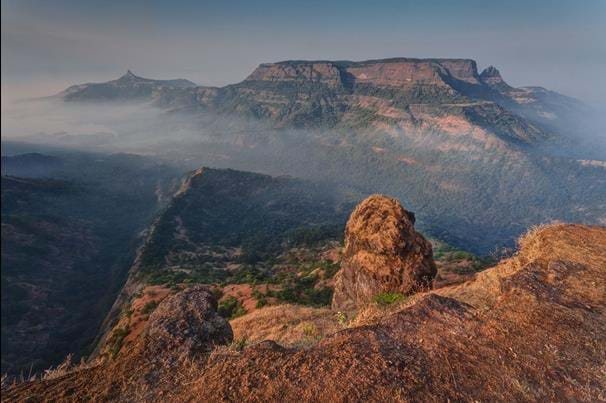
column 30, row 164
column 127, row 87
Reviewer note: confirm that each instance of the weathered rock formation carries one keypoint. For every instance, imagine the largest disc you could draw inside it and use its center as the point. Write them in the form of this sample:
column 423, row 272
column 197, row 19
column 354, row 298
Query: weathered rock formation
column 186, row 324
column 383, row 253
column 492, row 77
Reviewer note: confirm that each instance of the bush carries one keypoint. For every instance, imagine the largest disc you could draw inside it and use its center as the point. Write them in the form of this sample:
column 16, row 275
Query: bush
column 342, row 319
column 388, row 298
column 149, row 307
column 239, row 344
column 116, row 340
column 231, row 308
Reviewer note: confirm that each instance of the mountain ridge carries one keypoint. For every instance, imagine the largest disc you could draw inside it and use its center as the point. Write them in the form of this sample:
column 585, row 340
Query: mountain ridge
column 127, row 87
column 447, row 143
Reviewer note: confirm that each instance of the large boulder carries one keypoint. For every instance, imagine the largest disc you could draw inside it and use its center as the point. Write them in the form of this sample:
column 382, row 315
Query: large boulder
column 383, row 253
column 186, row 324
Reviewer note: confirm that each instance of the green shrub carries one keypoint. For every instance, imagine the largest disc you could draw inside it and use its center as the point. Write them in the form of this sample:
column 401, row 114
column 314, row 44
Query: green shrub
column 461, row 255
column 239, row 344
column 149, row 307
column 310, row 330
column 116, row 340
column 388, row 298
column 231, row 308
column 342, row 319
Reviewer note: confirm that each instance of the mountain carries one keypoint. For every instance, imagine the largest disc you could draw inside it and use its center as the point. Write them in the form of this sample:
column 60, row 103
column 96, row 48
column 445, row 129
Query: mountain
column 230, row 227
column 258, row 240
column 30, row 164
column 326, row 94
column 490, row 338
column 128, row 87
column 69, row 229
column 479, row 159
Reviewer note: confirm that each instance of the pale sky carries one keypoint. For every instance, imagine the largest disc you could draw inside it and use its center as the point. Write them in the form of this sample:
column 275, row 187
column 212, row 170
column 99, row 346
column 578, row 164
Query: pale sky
column 47, row 45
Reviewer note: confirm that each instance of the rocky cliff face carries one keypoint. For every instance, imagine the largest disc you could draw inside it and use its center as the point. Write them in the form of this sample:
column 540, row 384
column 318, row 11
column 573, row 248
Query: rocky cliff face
column 383, row 253
column 398, row 72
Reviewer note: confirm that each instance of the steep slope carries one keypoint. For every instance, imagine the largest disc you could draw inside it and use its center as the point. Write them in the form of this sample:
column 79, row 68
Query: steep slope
column 227, row 227
column 531, row 329
column 67, row 241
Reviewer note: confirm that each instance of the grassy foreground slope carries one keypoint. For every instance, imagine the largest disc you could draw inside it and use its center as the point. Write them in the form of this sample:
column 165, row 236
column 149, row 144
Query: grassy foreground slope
column 531, row 328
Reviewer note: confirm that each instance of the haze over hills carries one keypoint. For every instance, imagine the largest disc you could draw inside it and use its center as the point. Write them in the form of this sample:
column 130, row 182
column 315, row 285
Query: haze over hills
column 325, row 94
column 479, row 159
column 127, row 87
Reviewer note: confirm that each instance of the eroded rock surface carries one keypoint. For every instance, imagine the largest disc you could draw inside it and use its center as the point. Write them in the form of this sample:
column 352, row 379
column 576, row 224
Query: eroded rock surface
column 383, row 253
column 185, row 324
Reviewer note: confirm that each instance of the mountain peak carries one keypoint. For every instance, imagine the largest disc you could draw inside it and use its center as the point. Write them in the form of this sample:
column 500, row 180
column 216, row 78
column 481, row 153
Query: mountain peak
column 491, row 72
column 492, row 76
column 129, row 75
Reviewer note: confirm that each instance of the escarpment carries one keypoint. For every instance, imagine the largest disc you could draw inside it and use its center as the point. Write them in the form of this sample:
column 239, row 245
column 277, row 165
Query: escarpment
column 383, row 253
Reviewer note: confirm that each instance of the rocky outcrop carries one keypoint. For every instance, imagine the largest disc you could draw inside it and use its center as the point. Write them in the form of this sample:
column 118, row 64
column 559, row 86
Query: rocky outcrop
column 184, row 325
column 324, row 72
column 397, row 72
column 492, row 77
column 383, row 253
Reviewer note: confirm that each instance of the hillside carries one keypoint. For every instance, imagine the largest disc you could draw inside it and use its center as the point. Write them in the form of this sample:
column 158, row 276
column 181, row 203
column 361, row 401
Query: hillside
column 479, row 159
column 530, row 328
column 257, row 240
column 226, row 227
column 69, row 229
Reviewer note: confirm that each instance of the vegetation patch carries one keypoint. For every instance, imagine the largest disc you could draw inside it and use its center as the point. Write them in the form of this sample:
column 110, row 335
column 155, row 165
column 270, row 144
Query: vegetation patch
column 231, row 308
column 388, row 298
column 149, row 307
column 116, row 340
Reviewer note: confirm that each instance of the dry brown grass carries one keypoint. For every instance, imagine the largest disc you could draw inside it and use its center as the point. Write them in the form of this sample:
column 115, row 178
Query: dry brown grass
column 289, row 325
